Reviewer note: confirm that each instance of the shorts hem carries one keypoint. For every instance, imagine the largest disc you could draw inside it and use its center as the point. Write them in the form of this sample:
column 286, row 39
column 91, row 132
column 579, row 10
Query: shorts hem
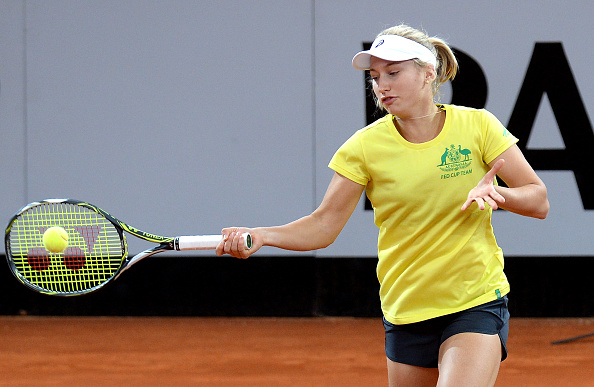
column 418, row 344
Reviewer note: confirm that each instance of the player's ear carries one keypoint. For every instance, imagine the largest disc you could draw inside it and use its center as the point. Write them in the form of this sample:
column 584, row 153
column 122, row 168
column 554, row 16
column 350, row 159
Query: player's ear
column 430, row 74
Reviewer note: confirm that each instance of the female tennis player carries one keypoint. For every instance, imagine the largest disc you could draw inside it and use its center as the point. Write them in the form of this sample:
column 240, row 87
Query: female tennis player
column 429, row 170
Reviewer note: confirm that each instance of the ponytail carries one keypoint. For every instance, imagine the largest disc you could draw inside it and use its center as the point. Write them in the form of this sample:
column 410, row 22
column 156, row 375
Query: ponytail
column 447, row 63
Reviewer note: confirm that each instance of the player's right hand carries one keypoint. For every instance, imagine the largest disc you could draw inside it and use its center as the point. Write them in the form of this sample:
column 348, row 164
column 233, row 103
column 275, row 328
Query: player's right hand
column 233, row 242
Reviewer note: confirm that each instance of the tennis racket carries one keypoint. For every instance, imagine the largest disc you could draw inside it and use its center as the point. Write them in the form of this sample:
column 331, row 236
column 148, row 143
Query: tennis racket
column 96, row 251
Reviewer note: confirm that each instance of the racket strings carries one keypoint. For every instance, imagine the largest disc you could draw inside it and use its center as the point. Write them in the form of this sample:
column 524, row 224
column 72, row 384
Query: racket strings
column 94, row 253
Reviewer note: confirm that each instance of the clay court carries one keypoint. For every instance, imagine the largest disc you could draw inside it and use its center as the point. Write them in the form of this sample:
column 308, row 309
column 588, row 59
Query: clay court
column 256, row 351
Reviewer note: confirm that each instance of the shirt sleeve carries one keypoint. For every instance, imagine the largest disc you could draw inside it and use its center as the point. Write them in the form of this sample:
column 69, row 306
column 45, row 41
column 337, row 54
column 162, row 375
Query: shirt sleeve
column 349, row 161
column 496, row 138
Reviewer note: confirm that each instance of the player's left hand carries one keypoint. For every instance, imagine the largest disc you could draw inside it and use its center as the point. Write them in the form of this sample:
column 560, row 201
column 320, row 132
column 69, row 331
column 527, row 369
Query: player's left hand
column 485, row 190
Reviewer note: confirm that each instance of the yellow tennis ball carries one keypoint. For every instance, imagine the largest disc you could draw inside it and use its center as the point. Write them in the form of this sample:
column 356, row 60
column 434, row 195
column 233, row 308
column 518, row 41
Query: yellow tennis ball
column 55, row 239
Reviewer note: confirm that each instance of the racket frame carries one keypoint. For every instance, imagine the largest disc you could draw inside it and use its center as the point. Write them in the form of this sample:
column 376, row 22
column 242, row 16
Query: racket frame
column 179, row 243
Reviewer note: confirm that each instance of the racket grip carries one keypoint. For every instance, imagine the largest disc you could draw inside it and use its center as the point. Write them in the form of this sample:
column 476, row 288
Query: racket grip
column 205, row 242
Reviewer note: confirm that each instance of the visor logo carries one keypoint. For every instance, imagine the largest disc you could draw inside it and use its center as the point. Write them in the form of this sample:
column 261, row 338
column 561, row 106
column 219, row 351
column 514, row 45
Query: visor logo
column 379, row 43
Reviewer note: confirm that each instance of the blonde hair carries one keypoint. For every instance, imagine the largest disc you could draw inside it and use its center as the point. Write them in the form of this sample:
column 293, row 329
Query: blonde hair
column 447, row 65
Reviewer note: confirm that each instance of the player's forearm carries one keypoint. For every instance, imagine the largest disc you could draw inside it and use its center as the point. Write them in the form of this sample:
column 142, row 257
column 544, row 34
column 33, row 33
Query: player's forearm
column 528, row 200
column 320, row 228
column 307, row 233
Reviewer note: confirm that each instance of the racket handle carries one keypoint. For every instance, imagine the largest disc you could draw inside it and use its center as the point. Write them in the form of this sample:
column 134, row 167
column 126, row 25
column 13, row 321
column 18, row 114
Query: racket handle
column 205, row 242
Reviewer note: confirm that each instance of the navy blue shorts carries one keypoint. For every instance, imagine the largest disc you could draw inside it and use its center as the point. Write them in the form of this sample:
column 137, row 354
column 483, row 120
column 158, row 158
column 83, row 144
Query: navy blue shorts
column 418, row 343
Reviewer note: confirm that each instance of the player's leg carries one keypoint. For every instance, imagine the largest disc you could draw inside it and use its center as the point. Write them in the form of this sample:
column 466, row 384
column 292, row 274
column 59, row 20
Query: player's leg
column 407, row 375
column 412, row 353
column 469, row 359
column 473, row 345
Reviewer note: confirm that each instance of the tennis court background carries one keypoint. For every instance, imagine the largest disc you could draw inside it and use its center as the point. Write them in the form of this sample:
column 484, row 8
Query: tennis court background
column 185, row 117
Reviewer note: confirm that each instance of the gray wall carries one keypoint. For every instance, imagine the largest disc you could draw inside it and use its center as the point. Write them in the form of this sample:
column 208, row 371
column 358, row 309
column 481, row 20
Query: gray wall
column 183, row 117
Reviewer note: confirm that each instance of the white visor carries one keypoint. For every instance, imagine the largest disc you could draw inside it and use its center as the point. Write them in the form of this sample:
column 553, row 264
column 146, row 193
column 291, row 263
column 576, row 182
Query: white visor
column 393, row 48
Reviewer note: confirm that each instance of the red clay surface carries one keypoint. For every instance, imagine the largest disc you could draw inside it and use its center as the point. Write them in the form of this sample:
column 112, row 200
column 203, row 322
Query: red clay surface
column 256, row 352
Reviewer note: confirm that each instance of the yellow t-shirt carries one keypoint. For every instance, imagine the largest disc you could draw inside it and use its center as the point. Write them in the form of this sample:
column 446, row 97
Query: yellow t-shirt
column 434, row 259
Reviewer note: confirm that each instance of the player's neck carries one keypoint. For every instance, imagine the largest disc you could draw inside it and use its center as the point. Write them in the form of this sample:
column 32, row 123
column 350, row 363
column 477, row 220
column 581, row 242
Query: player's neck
column 420, row 129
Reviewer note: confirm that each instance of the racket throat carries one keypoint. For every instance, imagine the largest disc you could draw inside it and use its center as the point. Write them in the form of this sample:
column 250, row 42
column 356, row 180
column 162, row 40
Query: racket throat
column 140, row 256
